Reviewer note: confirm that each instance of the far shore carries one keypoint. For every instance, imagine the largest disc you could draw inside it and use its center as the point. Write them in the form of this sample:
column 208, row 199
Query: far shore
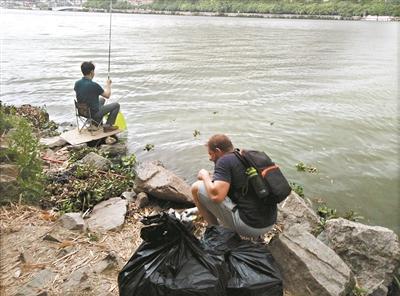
column 375, row 18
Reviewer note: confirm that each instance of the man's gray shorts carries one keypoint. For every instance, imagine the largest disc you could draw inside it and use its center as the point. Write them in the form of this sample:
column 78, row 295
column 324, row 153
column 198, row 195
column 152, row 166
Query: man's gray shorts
column 228, row 216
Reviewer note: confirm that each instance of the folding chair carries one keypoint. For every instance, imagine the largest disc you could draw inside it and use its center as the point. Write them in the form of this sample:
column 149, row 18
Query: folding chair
column 82, row 112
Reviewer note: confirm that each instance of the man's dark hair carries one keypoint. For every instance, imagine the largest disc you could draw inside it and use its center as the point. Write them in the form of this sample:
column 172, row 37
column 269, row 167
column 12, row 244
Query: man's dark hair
column 220, row 141
column 87, row 67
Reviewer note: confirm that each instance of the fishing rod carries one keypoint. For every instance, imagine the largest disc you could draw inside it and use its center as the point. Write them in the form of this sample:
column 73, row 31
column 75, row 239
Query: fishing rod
column 120, row 120
column 109, row 42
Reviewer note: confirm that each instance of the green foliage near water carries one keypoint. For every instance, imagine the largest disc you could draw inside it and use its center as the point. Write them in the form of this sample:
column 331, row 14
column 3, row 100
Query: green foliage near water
column 82, row 187
column 326, row 213
column 21, row 149
column 37, row 117
column 299, row 189
column 105, row 4
column 342, row 8
column 299, row 7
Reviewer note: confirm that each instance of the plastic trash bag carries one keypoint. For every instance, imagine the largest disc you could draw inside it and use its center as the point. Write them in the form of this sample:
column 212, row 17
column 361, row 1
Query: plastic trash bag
column 252, row 269
column 171, row 261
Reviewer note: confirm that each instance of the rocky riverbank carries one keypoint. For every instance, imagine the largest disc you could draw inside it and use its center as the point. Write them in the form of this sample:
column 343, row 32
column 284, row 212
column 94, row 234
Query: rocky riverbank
column 86, row 225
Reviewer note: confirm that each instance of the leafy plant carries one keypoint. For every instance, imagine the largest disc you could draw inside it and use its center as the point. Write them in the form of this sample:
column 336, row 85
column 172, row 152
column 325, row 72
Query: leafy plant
column 358, row 291
column 302, row 167
column 149, row 147
column 93, row 237
column 76, row 155
column 352, row 216
column 326, row 213
column 126, row 166
column 23, row 150
column 299, row 189
column 83, row 187
column 37, row 117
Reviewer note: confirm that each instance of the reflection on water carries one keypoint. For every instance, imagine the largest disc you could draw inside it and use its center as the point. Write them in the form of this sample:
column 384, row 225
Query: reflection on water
column 321, row 92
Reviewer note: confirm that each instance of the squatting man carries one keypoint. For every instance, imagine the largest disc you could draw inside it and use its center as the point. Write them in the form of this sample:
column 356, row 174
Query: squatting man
column 219, row 198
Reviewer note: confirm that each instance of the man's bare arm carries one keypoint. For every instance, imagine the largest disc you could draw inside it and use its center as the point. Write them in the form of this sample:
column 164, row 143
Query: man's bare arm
column 107, row 90
column 217, row 190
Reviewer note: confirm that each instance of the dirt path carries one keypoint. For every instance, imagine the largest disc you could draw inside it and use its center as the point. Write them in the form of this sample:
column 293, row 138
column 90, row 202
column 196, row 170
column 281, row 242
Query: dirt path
column 27, row 248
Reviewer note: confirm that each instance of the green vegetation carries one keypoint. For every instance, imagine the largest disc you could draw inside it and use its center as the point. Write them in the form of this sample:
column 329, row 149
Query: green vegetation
column 326, row 213
column 76, row 155
column 105, row 4
column 37, row 117
column 358, row 291
column 333, row 7
column 302, row 167
column 82, row 187
column 76, row 189
column 148, row 147
column 299, row 7
column 299, row 189
column 21, row 149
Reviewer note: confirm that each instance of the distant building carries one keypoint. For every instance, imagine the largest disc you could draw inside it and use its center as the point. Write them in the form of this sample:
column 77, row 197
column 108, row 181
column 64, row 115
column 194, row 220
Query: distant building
column 379, row 18
column 139, row 2
column 40, row 3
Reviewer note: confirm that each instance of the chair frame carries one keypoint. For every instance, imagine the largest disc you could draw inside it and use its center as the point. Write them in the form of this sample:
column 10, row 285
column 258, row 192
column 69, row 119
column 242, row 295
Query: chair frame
column 83, row 114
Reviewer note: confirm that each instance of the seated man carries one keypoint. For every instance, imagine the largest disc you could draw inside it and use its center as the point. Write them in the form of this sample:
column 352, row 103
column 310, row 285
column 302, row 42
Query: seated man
column 88, row 91
column 220, row 198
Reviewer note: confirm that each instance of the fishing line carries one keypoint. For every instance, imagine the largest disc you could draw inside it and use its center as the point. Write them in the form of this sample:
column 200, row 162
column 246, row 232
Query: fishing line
column 109, row 42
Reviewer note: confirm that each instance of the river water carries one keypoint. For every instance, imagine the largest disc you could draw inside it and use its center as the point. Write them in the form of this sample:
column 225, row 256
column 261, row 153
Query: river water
column 321, row 92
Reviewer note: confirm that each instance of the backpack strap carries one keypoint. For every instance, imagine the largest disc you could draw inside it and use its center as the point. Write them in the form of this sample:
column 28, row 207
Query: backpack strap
column 241, row 158
column 245, row 188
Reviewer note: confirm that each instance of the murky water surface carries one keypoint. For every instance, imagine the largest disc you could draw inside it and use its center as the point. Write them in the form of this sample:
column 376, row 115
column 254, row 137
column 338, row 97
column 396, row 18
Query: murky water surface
column 321, row 92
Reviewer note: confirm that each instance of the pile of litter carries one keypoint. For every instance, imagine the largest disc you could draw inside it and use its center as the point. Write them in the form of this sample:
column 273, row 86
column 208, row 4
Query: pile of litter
column 172, row 261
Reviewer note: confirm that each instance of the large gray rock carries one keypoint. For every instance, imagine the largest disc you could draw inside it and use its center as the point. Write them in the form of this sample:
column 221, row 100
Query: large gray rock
column 108, row 215
column 308, row 266
column 76, row 147
column 72, row 221
column 142, row 200
column 157, row 181
column 372, row 252
column 96, row 161
column 53, row 142
column 130, row 196
column 77, row 282
column 37, row 284
column 295, row 211
column 117, row 149
column 111, row 261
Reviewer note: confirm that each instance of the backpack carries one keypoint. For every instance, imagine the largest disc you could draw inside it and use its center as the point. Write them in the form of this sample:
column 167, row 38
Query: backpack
column 267, row 179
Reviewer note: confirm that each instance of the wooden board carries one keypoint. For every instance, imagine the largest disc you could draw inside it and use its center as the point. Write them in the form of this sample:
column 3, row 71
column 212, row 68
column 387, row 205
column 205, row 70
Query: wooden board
column 75, row 137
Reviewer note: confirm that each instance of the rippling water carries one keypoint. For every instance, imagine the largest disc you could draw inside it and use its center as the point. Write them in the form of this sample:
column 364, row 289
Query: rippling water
column 321, row 92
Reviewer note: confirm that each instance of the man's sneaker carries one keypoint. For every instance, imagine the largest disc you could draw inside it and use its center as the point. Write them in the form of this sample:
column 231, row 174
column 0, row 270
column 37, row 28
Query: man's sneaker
column 109, row 128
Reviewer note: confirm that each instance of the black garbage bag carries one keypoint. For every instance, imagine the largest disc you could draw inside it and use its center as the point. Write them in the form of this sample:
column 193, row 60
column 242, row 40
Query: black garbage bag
column 171, row 261
column 251, row 267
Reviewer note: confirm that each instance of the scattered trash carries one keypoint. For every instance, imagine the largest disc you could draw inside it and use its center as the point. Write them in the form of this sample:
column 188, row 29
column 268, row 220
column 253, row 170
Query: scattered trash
column 189, row 215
